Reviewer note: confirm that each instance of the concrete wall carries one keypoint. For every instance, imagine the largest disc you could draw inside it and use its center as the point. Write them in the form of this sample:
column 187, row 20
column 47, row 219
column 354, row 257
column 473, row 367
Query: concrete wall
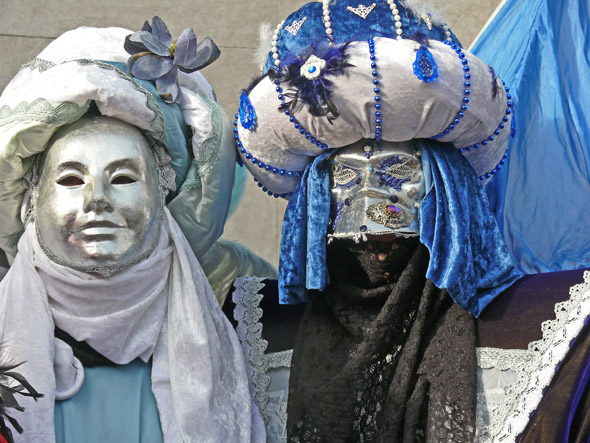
column 27, row 26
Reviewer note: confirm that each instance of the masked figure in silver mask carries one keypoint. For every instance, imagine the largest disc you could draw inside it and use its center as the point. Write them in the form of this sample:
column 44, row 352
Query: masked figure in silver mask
column 106, row 304
column 98, row 209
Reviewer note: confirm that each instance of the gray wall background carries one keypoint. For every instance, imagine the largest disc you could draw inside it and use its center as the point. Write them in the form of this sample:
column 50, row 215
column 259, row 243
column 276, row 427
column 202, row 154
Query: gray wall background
column 27, row 26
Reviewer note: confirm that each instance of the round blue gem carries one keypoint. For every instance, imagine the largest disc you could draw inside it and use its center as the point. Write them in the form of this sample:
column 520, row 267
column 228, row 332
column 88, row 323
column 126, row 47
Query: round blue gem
column 275, row 171
column 248, row 156
column 311, row 69
column 282, row 172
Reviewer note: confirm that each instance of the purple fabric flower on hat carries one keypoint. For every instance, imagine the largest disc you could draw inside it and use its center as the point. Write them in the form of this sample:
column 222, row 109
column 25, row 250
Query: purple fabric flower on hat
column 155, row 55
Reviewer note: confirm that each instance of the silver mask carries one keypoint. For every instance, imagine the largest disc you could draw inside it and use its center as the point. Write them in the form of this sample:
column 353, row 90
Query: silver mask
column 97, row 205
column 375, row 191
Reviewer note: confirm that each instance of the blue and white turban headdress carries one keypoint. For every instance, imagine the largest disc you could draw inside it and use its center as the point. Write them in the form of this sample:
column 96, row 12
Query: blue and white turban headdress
column 341, row 71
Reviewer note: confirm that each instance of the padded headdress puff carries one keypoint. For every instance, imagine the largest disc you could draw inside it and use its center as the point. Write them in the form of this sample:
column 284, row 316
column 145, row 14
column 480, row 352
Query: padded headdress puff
column 411, row 108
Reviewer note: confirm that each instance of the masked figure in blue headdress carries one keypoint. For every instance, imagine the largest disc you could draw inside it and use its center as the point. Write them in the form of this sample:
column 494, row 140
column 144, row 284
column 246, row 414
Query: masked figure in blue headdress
column 381, row 130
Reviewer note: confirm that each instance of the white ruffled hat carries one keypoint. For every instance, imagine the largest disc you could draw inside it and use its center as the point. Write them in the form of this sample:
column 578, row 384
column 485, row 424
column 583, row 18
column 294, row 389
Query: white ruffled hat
column 89, row 66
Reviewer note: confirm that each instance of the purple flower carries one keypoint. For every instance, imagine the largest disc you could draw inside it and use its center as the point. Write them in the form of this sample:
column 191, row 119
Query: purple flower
column 155, row 55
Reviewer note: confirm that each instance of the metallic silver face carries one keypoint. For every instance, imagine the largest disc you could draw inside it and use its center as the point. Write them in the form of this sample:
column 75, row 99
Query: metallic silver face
column 97, row 201
column 376, row 191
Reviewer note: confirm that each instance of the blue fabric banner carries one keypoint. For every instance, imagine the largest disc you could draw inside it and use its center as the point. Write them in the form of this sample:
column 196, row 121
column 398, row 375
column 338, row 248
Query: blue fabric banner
column 540, row 48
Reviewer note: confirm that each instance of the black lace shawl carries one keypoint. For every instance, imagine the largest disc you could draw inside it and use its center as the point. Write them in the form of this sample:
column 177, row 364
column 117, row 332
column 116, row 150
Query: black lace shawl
column 382, row 355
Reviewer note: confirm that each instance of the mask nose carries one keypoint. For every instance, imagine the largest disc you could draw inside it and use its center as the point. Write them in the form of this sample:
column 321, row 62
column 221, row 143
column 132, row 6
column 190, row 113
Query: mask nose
column 98, row 205
column 96, row 199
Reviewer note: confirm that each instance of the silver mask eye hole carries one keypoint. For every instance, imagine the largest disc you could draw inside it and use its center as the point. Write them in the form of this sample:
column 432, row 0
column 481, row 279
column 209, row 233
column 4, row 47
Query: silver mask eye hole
column 123, row 180
column 70, row 181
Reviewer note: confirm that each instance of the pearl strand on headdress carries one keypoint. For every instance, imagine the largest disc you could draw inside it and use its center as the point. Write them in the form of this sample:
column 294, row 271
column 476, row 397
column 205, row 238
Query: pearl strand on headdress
column 275, row 41
column 329, row 31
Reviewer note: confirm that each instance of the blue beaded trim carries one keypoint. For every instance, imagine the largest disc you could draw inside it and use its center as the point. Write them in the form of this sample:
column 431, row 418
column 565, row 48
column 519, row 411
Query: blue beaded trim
column 501, row 126
column 376, row 90
column 296, row 124
column 261, row 164
column 466, row 92
column 274, row 194
column 496, row 169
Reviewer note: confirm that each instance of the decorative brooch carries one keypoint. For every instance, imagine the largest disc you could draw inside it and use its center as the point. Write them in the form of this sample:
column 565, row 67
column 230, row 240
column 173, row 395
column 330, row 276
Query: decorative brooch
column 155, row 55
column 308, row 76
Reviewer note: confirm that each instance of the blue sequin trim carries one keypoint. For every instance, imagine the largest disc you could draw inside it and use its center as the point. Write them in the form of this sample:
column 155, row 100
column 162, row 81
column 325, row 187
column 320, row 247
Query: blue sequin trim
column 393, row 176
column 425, row 67
column 247, row 113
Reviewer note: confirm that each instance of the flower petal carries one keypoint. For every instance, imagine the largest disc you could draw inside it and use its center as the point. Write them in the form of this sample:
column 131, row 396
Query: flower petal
column 167, row 86
column 152, row 43
column 146, row 26
column 186, row 48
column 147, row 66
column 133, row 44
column 207, row 53
column 160, row 31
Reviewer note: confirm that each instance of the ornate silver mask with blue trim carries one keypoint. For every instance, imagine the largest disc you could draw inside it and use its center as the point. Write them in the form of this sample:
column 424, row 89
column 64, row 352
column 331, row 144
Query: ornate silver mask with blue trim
column 375, row 191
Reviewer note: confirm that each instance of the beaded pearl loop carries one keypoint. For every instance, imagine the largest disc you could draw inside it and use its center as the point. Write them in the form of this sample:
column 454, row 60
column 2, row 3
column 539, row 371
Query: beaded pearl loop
column 498, row 130
column 273, row 194
column 248, row 156
column 447, row 33
column 376, row 90
column 496, row 169
column 397, row 19
column 274, row 43
column 326, row 17
column 466, row 91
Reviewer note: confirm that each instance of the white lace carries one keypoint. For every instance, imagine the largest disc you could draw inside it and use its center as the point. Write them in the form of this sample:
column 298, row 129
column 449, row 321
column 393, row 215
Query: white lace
column 512, row 381
column 271, row 403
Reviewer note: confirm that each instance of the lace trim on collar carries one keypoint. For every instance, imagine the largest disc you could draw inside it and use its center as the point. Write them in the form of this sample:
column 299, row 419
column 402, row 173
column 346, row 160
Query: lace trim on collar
column 521, row 376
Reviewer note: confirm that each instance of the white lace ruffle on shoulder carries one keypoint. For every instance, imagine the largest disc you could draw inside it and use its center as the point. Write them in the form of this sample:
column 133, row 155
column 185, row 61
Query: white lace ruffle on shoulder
column 268, row 373
column 511, row 381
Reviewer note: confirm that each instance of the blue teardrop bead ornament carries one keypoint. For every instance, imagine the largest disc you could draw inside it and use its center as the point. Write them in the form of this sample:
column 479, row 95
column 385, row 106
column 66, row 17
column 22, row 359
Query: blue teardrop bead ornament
column 425, row 67
column 247, row 113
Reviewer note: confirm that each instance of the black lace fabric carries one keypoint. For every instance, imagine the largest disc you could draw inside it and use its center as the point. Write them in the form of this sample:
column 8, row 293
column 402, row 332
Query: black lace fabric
column 382, row 355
